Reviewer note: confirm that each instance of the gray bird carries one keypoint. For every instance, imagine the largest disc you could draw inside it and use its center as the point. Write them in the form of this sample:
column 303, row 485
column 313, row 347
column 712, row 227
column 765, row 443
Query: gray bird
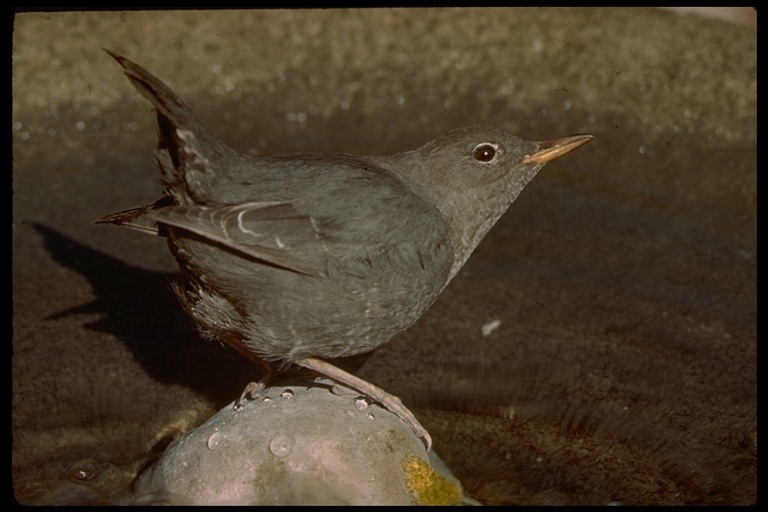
column 304, row 257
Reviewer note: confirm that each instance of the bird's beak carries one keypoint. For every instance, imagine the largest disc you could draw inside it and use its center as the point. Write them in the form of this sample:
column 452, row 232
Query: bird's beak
column 551, row 149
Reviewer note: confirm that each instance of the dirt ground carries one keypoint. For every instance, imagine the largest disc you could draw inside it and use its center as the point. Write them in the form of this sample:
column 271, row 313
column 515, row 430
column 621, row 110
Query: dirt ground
column 623, row 369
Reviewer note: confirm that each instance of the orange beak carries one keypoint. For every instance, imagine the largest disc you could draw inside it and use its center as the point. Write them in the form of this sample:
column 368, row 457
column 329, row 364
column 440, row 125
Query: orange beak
column 551, row 149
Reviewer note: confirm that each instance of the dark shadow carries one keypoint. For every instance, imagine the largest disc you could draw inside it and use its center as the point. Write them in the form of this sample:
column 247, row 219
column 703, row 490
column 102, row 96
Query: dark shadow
column 140, row 309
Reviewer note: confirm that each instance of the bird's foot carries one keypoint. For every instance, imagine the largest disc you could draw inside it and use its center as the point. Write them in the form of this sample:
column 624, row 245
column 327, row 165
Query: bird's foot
column 251, row 391
column 388, row 401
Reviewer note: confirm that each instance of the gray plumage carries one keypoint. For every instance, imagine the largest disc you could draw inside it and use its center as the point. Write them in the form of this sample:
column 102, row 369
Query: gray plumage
column 323, row 255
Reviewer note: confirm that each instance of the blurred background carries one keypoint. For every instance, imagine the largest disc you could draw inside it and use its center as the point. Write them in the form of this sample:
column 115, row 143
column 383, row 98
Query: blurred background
column 623, row 279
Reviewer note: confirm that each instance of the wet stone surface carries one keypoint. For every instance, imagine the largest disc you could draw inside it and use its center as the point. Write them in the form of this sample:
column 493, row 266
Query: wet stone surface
column 298, row 445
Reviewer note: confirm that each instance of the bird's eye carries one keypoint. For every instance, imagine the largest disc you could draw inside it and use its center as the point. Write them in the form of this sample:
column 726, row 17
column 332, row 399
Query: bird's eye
column 484, row 152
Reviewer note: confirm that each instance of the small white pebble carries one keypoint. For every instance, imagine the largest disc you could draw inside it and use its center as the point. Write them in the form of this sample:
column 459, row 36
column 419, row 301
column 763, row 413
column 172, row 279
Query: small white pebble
column 489, row 327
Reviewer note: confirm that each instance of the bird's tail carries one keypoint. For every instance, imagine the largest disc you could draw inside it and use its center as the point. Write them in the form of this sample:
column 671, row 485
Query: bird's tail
column 186, row 152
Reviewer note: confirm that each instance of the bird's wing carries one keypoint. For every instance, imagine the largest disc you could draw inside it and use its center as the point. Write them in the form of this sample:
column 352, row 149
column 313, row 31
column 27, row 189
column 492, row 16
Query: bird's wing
column 359, row 219
column 265, row 231
column 270, row 232
column 140, row 219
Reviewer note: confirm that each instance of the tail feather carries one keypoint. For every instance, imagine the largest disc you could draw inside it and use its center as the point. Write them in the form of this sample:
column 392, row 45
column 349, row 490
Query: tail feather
column 167, row 103
column 187, row 153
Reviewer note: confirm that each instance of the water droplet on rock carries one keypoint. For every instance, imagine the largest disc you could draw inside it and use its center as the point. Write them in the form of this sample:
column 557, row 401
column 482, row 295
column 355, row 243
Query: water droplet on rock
column 213, row 440
column 281, row 446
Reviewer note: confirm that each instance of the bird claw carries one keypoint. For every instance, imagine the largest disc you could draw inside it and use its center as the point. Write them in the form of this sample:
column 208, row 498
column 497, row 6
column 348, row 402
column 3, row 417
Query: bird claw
column 252, row 390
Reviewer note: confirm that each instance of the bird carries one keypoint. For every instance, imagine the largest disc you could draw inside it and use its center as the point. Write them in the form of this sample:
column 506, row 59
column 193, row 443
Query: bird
column 302, row 258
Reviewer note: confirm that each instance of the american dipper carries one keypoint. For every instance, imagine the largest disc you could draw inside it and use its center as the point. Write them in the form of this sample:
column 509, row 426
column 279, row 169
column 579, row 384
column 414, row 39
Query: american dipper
column 294, row 259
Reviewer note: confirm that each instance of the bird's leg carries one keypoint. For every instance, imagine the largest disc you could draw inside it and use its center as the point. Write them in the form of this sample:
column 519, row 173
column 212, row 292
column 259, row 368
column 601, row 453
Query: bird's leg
column 390, row 402
column 252, row 389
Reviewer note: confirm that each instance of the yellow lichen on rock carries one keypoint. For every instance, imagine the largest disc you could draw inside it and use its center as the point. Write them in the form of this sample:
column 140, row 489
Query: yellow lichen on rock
column 427, row 486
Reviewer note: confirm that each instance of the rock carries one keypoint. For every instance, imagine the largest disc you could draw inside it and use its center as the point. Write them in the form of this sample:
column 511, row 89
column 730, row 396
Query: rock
column 300, row 443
